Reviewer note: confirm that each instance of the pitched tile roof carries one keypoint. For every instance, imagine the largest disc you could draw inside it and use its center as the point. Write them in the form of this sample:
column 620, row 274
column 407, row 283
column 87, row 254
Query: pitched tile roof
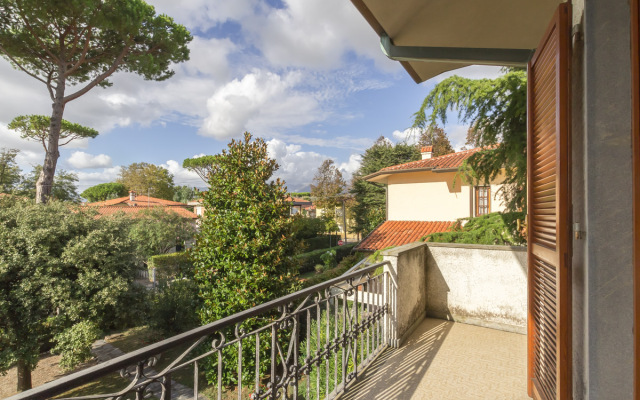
column 141, row 201
column 452, row 160
column 397, row 233
column 110, row 210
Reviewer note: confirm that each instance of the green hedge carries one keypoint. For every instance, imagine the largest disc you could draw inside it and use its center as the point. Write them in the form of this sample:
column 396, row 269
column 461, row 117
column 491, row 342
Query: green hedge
column 170, row 265
column 346, row 263
column 321, row 242
column 309, row 260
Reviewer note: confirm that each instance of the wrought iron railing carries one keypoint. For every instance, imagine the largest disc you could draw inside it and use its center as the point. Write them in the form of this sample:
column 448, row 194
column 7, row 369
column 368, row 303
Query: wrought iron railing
column 311, row 344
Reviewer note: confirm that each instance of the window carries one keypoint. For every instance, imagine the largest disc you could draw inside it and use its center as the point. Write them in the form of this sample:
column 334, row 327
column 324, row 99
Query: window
column 483, row 200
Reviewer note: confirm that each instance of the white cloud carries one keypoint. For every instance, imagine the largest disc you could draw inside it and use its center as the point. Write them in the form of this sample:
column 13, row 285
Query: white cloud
column 409, row 135
column 203, row 14
column 297, row 168
column 182, row 176
column 350, row 167
column 316, row 34
column 82, row 160
column 88, row 179
column 260, row 102
column 471, row 72
column 457, row 135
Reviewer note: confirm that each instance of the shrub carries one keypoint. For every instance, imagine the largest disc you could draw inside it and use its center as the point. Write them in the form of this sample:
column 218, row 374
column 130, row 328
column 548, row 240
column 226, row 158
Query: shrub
column 74, row 344
column 491, row 229
column 329, row 259
column 174, row 307
column 307, row 228
column 171, row 265
column 321, row 242
column 309, row 260
column 346, row 263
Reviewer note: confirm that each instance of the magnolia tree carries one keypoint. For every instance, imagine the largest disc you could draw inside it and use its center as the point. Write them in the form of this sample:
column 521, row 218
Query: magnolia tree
column 79, row 44
column 63, row 275
column 243, row 253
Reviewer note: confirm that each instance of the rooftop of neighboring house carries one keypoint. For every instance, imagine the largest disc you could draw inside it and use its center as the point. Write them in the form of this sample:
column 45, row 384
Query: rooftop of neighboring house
column 446, row 163
column 134, row 200
column 298, row 201
column 109, row 210
column 134, row 204
column 398, row 233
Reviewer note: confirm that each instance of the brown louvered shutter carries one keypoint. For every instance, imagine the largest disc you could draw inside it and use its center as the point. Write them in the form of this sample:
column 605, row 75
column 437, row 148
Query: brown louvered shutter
column 549, row 330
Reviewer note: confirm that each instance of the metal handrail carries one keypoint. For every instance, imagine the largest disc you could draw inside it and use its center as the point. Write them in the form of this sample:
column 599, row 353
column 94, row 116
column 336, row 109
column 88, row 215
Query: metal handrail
column 62, row 385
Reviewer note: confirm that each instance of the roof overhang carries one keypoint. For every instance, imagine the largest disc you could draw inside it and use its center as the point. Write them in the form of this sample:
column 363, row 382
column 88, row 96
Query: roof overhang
column 435, row 36
column 381, row 176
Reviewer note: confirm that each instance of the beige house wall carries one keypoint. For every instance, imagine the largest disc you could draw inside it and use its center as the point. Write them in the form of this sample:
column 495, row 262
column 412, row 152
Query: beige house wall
column 431, row 196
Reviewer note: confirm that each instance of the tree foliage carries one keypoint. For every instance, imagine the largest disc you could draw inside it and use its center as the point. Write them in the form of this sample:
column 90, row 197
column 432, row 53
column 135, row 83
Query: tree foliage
column 104, row 191
column 158, row 230
column 436, row 137
column 497, row 111
column 81, row 43
column 200, row 165
column 148, row 179
column 490, row 229
column 326, row 187
column 58, row 266
column 36, row 128
column 370, row 201
column 185, row 194
column 63, row 188
column 243, row 253
column 9, row 170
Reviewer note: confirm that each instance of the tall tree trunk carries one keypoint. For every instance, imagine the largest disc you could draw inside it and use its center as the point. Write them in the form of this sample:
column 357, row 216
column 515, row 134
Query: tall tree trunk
column 24, row 376
column 45, row 180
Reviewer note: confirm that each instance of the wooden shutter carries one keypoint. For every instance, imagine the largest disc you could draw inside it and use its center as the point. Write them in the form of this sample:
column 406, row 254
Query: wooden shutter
column 548, row 163
column 635, row 81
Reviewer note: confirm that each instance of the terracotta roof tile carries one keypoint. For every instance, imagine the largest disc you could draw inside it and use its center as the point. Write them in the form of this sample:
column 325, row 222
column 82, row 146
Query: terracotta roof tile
column 453, row 160
column 397, row 233
column 140, row 200
column 110, row 210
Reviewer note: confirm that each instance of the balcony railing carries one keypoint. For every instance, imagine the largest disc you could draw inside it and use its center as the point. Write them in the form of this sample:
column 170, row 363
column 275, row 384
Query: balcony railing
column 309, row 344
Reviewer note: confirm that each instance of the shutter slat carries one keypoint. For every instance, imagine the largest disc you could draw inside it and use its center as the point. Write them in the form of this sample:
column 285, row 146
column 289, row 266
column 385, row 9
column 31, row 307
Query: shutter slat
column 547, row 163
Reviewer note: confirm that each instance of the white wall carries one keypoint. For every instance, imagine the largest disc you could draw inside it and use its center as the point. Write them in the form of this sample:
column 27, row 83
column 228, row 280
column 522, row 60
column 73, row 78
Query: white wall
column 430, row 196
column 478, row 284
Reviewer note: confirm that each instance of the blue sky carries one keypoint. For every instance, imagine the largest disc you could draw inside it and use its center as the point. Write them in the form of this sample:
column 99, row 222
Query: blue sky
column 306, row 75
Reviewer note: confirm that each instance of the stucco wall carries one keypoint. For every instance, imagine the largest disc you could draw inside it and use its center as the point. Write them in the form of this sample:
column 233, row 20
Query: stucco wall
column 409, row 276
column 478, row 285
column 474, row 284
column 429, row 196
column 602, row 261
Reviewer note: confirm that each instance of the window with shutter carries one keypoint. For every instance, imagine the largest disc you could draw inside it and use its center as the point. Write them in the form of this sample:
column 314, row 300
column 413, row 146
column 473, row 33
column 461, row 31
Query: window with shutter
column 483, row 200
column 549, row 330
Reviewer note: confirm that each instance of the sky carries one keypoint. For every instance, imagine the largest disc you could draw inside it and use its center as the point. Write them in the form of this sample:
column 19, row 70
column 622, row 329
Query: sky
column 308, row 76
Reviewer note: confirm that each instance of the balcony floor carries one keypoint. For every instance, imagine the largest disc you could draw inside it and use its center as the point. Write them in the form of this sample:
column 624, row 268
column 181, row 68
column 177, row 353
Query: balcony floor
column 448, row 361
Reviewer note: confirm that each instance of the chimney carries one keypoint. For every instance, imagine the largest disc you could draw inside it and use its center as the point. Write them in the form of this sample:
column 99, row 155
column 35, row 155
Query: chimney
column 426, row 152
column 132, row 195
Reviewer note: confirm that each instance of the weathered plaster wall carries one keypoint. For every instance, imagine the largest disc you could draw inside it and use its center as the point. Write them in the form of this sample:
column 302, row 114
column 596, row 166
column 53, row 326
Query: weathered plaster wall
column 474, row 284
column 478, row 285
column 429, row 196
column 408, row 272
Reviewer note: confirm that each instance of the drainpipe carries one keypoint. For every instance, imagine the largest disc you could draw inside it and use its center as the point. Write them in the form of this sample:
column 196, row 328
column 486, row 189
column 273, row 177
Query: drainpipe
column 463, row 55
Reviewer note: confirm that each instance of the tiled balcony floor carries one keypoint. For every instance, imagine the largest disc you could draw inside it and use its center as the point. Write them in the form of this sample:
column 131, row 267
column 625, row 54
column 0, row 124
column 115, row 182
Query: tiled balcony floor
column 448, row 361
